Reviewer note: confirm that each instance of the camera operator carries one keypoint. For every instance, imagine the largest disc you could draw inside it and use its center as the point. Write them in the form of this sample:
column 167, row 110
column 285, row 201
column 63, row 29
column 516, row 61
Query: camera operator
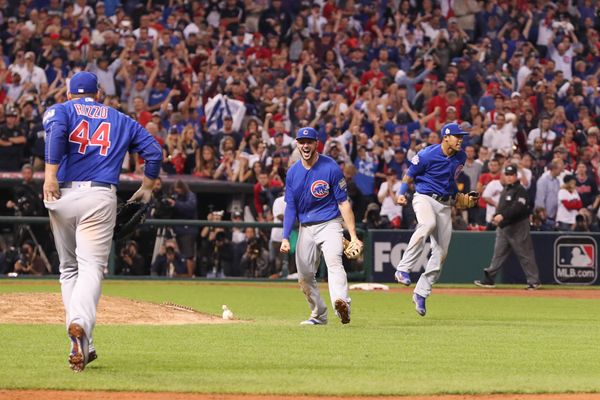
column 130, row 261
column 29, row 262
column 27, row 195
column 169, row 262
column 183, row 203
column 255, row 261
column 221, row 256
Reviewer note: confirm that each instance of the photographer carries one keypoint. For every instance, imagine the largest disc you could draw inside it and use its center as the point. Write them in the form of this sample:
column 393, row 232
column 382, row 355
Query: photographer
column 29, row 262
column 169, row 262
column 27, row 195
column 130, row 261
column 183, row 204
column 255, row 261
column 221, row 256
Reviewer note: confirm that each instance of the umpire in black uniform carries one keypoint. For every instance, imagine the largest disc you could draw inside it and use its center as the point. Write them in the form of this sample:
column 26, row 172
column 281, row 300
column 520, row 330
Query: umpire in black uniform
column 512, row 219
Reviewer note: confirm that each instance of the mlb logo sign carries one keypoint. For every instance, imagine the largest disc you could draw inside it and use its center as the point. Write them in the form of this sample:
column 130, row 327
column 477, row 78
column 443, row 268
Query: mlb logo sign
column 575, row 260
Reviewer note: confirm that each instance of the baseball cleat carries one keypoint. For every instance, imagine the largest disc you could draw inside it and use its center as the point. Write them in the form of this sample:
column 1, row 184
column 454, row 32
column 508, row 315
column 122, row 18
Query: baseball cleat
column 533, row 286
column 92, row 356
column 77, row 357
column 313, row 321
column 402, row 277
column 484, row 283
column 419, row 304
column 342, row 309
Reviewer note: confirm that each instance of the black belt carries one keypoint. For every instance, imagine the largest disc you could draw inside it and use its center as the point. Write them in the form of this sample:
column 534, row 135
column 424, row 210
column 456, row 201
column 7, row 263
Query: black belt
column 440, row 198
column 66, row 185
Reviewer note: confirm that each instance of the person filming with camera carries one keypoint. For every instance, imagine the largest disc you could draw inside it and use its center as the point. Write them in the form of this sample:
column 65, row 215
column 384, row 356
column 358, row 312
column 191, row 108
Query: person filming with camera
column 130, row 261
column 255, row 261
column 183, row 204
column 29, row 261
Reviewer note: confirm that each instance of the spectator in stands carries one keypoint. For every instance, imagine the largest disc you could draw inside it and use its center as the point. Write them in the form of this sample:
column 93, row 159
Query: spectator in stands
column 544, row 132
column 548, row 185
column 484, row 180
column 387, row 198
column 586, row 185
column 265, row 192
column 569, row 204
column 12, row 142
column 491, row 197
column 173, row 156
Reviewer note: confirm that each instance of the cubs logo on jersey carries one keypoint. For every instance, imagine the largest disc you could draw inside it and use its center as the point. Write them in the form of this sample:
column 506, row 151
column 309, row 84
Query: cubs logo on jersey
column 319, row 189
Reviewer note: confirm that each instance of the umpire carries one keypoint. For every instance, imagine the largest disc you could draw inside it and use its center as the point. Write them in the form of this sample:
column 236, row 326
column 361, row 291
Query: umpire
column 512, row 219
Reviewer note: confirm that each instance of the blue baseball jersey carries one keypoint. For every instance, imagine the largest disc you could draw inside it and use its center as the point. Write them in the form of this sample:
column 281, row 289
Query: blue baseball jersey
column 89, row 141
column 313, row 195
column 434, row 172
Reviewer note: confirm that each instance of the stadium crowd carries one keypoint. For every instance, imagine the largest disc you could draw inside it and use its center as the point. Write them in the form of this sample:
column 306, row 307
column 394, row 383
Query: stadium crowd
column 224, row 85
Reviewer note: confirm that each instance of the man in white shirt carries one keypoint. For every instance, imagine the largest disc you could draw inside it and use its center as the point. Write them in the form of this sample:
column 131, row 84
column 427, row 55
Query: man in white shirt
column 525, row 71
column 562, row 55
column 544, row 132
column 491, row 196
column 315, row 20
column 500, row 136
column 387, row 198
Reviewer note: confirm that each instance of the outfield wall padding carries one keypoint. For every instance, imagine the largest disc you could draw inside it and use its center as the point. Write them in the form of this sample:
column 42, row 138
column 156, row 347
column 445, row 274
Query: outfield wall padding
column 563, row 258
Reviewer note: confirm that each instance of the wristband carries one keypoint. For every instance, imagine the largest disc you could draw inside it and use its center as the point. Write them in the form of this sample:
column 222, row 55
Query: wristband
column 403, row 189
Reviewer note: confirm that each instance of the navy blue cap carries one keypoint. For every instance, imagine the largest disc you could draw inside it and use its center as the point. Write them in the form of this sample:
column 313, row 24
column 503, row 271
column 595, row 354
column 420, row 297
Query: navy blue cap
column 306, row 133
column 83, row 82
column 452, row 129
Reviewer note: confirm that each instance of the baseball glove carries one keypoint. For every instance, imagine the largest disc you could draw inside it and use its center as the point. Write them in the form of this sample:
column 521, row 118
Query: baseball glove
column 129, row 216
column 466, row 200
column 352, row 250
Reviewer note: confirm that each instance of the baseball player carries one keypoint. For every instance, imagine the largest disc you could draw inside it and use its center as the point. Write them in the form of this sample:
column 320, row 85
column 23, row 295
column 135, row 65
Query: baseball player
column 316, row 195
column 433, row 171
column 86, row 142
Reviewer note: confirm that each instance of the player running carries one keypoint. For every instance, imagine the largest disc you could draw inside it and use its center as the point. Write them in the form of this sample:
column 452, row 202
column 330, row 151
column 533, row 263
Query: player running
column 86, row 142
column 316, row 195
column 433, row 170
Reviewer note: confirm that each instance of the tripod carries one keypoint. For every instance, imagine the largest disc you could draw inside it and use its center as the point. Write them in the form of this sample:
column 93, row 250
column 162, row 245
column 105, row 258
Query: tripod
column 161, row 236
column 27, row 228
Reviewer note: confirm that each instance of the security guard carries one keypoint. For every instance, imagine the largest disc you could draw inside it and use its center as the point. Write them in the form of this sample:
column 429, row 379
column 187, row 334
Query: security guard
column 512, row 219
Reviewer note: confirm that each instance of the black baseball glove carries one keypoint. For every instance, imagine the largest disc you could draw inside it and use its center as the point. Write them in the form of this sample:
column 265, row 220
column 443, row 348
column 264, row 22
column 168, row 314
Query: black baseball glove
column 129, row 216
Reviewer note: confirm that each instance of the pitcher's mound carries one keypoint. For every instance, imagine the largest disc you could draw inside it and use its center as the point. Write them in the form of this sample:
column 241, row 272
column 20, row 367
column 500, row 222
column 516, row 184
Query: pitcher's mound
column 47, row 308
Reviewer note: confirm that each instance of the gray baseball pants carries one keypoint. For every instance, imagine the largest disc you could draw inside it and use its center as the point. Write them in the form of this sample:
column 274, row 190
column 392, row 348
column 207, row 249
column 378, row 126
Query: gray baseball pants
column 313, row 240
column 434, row 221
column 82, row 222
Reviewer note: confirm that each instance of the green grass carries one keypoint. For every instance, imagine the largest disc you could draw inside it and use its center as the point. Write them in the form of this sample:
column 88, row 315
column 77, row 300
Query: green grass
column 464, row 345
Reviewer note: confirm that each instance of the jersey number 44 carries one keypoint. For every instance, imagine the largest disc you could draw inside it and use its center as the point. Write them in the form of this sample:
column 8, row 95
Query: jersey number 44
column 100, row 137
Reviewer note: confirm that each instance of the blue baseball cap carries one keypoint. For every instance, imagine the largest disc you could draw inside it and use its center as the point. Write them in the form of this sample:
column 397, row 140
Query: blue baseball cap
column 452, row 129
column 306, row 133
column 83, row 82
